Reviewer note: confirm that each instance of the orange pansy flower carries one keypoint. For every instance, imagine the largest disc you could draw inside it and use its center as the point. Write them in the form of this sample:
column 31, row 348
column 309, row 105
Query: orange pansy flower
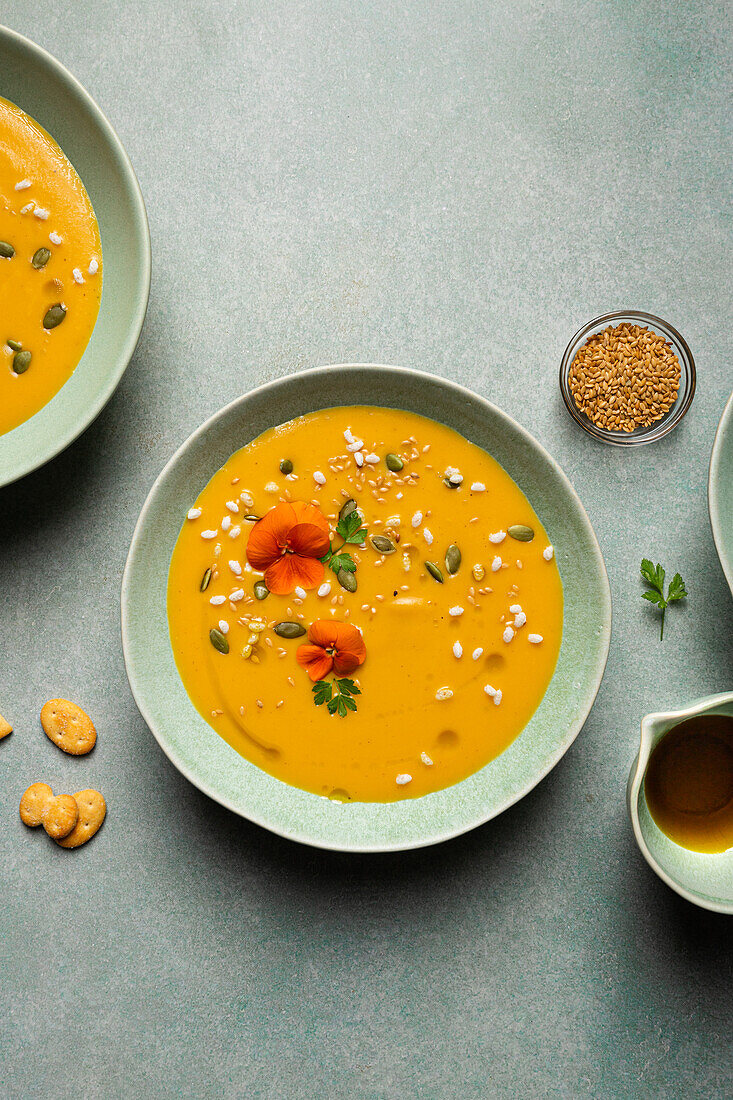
column 336, row 646
column 286, row 544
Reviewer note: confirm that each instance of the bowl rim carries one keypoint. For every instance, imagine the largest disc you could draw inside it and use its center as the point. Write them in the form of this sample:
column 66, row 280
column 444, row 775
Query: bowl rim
column 725, row 424
column 656, row 431
column 636, row 781
column 297, row 835
column 53, row 446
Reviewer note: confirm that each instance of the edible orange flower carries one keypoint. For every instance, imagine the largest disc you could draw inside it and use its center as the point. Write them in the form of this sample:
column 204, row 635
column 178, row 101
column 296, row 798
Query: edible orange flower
column 286, row 544
column 336, row 646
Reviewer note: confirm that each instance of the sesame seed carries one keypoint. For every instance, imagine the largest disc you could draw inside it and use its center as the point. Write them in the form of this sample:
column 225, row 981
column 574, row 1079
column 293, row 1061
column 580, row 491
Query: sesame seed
column 372, row 458
column 55, row 238
column 232, row 506
column 454, row 612
column 193, row 513
column 319, row 478
column 27, row 208
column 443, row 693
column 490, row 690
column 426, row 759
column 300, row 592
column 417, row 519
column 78, row 277
column 497, row 537
column 349, row 435
column 235, row 567
column 237, row 595
column 515, row 607
column 209, row 534
column 496, row 564
column 223, row 626
column 519, row 619
column 22, row 185
column 226, row 523
column 41, row 213
column 457, row 650
column 456, row 479
column 535, row 639
column 359, row 459
column 477, row 653
column 234, row 532
column 355, row 445
column 93, row 264
column 216, row 600
column 272, row 487
column 325, row 589
column 508, row 634
column 497, row 698
column 548, row 552
column 399, row 496
column 478, row 487
column 402, row 779
column 519, row 564
column 428, row 535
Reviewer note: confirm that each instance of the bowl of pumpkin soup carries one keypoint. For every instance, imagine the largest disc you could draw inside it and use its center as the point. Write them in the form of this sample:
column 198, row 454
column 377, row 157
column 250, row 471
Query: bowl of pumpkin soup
column 369, row 626
column 74, row 258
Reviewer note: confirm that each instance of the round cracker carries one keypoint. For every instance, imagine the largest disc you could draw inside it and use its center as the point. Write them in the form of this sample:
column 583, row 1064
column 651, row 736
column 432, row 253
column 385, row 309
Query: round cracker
column 34, row 802
column 92, row 811
column 68, row 726
column 60, row 816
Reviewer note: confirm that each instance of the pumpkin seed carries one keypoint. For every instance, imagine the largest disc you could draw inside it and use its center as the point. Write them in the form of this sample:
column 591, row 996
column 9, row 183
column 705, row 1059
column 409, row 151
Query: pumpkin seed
column 286, row 466
column 347, row 508
column 14, row 345
column 434, row 572
column 54, row 316
column 347, row 580
column 218, row 640
column 289, row 630
column 261, row 590
column 41, row 258
column 251, row 518
column 394, row 463
column 205, row 580
column 21, row 361
column 6, row 250
column 453, row 559
column 521, row 533
column 383, row 544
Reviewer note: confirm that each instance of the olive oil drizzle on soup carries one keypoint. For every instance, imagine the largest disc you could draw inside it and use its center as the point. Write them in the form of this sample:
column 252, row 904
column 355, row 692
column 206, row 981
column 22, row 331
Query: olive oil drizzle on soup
column 458, row 621
column 50, row 267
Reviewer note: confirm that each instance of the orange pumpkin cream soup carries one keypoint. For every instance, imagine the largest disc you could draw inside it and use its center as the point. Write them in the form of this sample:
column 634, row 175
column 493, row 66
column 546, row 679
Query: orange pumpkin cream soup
column 50, row 267
column 364, row 604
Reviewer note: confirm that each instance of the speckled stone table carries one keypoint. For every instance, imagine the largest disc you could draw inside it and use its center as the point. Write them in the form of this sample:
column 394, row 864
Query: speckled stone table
column 449, row 186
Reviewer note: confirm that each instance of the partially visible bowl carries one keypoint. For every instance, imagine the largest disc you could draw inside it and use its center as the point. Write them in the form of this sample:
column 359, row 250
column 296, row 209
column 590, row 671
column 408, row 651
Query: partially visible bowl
column 720, row 491
column 214, row 767
column 688, row 378
column 36, row 82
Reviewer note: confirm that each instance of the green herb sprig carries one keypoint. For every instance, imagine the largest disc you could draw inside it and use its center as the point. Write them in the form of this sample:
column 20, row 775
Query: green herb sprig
column 340, row 703
column 353, row 532
column 654, row 577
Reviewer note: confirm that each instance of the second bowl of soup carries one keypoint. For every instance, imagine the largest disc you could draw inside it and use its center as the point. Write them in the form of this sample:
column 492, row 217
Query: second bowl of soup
column 360, row 625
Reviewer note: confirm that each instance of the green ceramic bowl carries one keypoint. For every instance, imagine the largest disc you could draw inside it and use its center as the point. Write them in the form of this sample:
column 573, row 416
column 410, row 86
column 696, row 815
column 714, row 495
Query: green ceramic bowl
column 44, row 89
column 720, row 491
column 209, row 762
column 705, row 880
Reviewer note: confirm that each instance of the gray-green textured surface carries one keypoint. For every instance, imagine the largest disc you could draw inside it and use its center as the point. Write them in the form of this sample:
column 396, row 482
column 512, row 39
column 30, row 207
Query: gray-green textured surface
column 454, row 187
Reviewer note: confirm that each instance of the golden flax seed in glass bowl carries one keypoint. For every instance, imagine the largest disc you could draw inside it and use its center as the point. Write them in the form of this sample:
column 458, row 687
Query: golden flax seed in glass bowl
column 627, row 378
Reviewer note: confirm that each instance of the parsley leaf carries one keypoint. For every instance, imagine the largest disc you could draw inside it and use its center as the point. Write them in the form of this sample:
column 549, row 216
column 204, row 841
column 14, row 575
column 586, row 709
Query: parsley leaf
column 322, row 692
column 340, row 703
column 352, row 531
column 654, row 577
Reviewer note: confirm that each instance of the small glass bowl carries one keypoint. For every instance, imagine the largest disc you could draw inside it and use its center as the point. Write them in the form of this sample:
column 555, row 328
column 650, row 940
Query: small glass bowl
column 685, row 394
